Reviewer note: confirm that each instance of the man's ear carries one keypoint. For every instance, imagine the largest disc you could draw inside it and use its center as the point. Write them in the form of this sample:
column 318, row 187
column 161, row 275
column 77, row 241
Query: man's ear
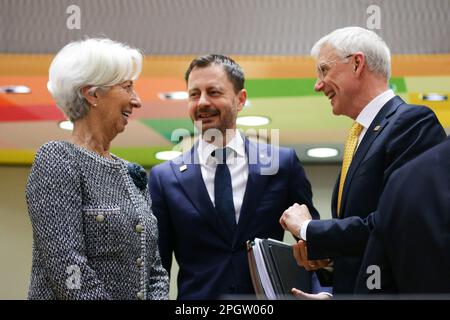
column 359, row 61
column 242, row 97
column 90, row 95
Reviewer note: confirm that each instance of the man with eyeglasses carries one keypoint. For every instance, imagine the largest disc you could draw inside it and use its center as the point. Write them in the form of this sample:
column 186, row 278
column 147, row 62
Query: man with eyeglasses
column 353, row 69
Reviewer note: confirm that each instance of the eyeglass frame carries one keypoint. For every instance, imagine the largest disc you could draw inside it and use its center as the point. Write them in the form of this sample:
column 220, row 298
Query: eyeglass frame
column 321, row 74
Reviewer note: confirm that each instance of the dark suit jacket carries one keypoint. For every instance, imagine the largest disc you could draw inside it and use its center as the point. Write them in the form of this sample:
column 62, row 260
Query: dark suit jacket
column 411, row 239
column 404, row 132
column 213, row 260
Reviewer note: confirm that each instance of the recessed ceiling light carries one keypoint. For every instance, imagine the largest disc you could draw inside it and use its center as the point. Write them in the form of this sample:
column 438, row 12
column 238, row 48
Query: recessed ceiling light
column 14, row 89
column 175, row 95
column 252, row 121
column 66, row 125
column 167, row 155
column 434, row 97
column 322, row 152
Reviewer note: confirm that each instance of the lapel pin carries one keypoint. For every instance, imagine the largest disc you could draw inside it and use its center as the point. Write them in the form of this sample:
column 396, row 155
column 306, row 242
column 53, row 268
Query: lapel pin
column 183, row 168
column 377, row 128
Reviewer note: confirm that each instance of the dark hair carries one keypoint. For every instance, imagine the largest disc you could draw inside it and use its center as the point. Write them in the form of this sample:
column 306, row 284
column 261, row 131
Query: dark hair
column 234, row 71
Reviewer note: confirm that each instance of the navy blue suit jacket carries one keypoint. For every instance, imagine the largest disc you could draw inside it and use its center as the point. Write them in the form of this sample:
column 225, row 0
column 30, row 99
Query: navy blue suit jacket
column 399, row 133
column 212, row 259
column 411, row 238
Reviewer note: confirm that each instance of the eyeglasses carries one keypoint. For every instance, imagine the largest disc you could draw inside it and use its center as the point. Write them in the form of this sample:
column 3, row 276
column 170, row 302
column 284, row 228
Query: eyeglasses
column 324, row 67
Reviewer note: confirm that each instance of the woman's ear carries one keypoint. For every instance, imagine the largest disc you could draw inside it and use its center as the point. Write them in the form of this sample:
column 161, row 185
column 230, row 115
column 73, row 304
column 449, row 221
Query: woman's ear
column 89, row 94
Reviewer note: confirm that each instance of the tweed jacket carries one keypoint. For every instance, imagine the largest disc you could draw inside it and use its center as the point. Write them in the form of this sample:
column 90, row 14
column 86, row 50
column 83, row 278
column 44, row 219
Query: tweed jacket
column 94, row 234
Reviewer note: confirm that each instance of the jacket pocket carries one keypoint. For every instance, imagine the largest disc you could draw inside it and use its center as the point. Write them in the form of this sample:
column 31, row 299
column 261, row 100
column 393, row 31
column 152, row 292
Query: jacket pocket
column 103, row 229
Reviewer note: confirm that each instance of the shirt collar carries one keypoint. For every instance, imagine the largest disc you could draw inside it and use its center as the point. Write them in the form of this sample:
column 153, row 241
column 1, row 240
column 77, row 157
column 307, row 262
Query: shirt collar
column 205, row 149
column 370, row 111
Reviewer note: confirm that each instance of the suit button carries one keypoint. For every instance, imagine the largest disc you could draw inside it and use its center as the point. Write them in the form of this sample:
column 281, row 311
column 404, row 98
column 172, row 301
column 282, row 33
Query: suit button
column 100, row 218
column 140, row 262
column 139, row 228
column 140, row 295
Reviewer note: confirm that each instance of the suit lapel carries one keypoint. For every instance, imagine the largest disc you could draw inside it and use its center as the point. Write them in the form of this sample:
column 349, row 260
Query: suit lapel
column 381, row 121
column 188, row 172
column 256, row 184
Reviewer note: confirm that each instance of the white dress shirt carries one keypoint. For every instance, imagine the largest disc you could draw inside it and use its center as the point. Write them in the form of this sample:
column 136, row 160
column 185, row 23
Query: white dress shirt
column 365, row 118
column 237, row 164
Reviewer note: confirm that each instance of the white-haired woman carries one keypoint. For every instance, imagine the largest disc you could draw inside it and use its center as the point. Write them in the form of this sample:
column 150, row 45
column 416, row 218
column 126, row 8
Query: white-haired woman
column 94, row 234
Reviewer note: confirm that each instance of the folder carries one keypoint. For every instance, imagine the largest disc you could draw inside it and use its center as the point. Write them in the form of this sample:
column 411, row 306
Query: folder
column 274, row 271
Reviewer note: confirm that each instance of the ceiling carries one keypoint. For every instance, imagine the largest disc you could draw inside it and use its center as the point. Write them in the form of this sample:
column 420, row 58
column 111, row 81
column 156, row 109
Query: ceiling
column 279, row 73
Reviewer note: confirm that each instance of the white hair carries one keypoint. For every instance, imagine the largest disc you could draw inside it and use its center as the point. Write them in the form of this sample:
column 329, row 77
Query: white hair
column 100, row 63
column 350, row 40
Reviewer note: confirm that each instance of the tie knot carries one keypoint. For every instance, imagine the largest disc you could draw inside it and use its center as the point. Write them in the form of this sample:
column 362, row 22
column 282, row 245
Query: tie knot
column 221, row 154
column 356, row 129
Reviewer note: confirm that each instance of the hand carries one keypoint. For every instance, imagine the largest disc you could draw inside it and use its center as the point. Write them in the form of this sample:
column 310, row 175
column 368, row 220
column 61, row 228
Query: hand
column 293, row 218
column 310, row 296
column 301, row 256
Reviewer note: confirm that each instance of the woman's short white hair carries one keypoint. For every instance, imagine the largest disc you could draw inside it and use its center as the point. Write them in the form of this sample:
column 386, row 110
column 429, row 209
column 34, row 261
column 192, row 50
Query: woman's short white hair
column 349, row 40
column 91, row 62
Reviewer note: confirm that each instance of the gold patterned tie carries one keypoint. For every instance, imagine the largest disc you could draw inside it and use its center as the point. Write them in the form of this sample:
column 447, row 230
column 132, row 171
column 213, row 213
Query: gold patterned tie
column 349, row 151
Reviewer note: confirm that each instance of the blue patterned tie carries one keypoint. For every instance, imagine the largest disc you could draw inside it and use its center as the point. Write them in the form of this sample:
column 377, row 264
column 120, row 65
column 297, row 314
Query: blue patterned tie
column 223, row 191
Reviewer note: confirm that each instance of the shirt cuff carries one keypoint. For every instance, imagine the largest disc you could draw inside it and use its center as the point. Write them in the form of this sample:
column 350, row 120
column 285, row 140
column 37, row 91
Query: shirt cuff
column 327, row 293
column 303, row 230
